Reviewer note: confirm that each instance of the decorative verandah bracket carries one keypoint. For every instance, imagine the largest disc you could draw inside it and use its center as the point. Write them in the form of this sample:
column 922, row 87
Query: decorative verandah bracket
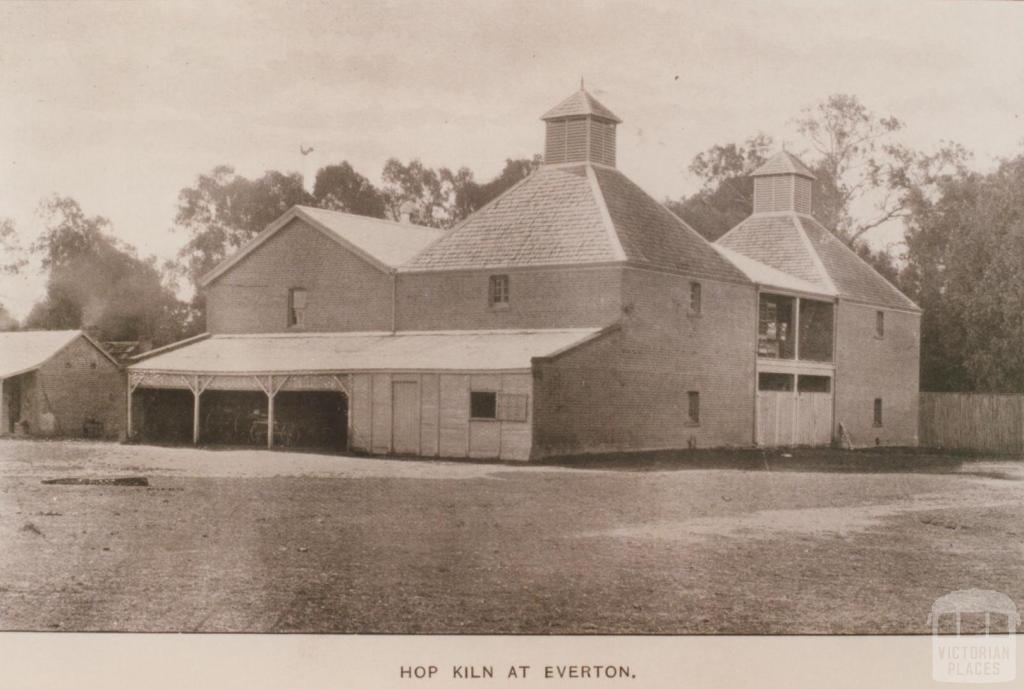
column 342, row 384
column 135, row 379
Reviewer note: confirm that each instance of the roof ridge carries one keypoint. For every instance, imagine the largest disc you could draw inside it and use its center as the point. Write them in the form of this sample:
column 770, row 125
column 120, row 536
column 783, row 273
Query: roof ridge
column 661, row 205
column 384, row 221
column 830, row 236
column 602, row 207
column 814, row 253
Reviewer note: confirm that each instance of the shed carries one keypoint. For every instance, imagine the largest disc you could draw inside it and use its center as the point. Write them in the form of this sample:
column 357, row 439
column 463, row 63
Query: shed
column 59, row 382
column 432, row 393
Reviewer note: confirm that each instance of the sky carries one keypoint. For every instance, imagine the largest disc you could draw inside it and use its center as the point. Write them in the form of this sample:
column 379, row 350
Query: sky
column 121, row 105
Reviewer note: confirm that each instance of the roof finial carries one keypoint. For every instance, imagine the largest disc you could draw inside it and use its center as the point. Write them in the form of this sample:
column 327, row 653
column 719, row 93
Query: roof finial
column 581, row 83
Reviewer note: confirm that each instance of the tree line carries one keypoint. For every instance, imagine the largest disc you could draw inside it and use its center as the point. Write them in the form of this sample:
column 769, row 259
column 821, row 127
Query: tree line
column 961, row 258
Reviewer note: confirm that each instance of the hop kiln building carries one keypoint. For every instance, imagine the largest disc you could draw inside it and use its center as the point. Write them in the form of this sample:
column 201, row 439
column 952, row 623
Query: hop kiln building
column 572, row 314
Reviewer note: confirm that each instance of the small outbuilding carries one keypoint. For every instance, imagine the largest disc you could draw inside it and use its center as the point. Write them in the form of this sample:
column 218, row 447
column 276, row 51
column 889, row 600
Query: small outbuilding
column 59, row 383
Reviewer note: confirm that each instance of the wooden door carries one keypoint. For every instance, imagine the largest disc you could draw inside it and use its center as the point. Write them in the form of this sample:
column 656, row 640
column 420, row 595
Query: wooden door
column 405, row 417
column 776, row 413
column 814, row 418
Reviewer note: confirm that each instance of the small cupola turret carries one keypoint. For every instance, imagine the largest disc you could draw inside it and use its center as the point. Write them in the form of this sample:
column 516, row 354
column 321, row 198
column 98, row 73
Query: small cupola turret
column 782, row 184
column 580, row 129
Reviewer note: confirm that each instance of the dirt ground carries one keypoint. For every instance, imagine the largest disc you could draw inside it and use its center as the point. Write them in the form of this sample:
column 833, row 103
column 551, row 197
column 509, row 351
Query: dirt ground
column 733, row 543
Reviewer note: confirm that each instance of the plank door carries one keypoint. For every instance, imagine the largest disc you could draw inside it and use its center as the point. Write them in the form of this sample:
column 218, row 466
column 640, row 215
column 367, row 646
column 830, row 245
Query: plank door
column 405, row 418
column 814, row 418
column 776, row 410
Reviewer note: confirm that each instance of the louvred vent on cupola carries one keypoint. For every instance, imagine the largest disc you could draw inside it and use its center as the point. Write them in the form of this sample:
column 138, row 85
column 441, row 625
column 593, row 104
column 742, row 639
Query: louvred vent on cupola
column 580, row 129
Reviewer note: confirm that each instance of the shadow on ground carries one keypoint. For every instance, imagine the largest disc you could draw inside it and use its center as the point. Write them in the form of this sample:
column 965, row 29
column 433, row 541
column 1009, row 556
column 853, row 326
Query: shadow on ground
column 825, row 460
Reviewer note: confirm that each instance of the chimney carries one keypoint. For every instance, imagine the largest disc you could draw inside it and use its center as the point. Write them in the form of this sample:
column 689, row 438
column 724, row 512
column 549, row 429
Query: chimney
column 783, row 184
column 580, row 130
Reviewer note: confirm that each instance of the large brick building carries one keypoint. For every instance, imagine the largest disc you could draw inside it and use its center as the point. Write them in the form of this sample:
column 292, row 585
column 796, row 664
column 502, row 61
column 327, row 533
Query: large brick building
column 572, row 314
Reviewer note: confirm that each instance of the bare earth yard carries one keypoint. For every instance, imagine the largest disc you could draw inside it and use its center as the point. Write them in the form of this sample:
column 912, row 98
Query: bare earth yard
column 251, row 541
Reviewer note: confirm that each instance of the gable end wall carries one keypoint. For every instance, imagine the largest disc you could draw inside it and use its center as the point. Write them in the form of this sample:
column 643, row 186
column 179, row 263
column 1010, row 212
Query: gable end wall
column 73, row 390
column 345, row 293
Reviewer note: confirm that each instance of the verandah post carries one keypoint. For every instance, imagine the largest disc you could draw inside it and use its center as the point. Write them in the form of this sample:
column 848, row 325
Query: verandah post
column 128, row 422
column 270, row 412
column 196, row 392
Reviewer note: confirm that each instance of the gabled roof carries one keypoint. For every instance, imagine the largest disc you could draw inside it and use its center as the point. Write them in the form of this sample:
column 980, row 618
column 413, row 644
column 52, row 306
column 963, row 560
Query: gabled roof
column 26, row 350
column 381, row 243
column 490, row 350
column 579, row 104
column 783, row 163
column 799, row 246
column 574, row 215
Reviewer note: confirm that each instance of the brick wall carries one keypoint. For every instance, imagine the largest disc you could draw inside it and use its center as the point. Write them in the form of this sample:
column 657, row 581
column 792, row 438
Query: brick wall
column 345, row 293
column 541, row 298
column 629, row 389
column 78, row 384
column 869, row 367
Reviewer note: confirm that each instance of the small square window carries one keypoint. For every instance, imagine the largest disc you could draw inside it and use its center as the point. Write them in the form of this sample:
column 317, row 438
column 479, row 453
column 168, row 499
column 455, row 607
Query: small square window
column 879, row 324
column 695, row 298
column 296, row 307
column 878, row 412
column 499, row 290
column 483, row 405
column 693, row 407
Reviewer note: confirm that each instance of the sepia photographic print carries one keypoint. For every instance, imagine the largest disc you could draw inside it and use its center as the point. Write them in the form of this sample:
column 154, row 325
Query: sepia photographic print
column 587, row 343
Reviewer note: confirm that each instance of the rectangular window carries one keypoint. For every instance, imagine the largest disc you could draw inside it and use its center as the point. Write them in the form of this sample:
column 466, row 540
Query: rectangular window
column 775, row 336
column 775, row 382
column 499, row 290
column 814, row 384
column 816, row 326
column 880, row 324
column 483, row 405
column 693, row 407
column 296, row 307
column 695, row 290
column 878, row 412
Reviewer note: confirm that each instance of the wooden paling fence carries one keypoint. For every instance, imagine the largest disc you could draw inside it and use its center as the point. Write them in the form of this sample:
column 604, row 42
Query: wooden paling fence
column 972, row 421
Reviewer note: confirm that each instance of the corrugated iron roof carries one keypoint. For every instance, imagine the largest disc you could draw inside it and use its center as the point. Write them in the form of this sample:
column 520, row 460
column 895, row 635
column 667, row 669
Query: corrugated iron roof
column 383, row 243
column 575, row 214
column 766, row 276
column 578, row 104
column 493, row 350
column 783, row 163
column 392, row 243
column 27, row 350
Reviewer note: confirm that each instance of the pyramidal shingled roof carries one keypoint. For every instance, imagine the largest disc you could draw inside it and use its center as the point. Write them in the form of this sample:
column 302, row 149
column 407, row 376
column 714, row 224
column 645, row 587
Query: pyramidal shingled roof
column 800, row 246
column 783, row 163
column 580, row 103
column 575, row 214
